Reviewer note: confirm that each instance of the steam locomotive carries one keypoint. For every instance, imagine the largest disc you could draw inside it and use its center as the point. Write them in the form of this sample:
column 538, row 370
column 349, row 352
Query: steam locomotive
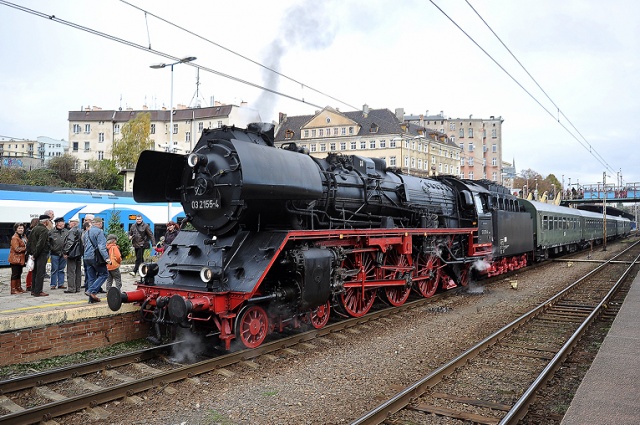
column 283, row 239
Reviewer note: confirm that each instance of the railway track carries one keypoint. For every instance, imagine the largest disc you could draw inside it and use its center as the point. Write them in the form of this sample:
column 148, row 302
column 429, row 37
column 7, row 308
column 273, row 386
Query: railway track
column 495, row 381
column 50, row 394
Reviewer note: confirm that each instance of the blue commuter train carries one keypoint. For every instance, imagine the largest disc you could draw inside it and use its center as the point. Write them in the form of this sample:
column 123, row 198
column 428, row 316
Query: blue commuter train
column 20, row 203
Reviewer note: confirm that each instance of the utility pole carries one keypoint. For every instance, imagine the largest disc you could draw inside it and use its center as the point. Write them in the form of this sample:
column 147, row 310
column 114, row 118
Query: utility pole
column 604, row 211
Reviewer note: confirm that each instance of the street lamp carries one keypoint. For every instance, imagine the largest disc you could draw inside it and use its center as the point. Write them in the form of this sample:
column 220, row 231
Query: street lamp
column 164, row 65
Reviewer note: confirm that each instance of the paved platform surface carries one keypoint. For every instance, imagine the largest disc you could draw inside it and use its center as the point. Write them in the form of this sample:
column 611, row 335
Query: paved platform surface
column 610, row 391
column 24, row 311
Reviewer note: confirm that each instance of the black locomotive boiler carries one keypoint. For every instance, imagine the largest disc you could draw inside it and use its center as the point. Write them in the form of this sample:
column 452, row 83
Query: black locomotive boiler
column 283, row 239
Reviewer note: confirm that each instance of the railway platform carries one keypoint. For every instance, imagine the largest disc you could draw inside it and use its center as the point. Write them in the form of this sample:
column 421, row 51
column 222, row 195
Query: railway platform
column 24, row 311
column 609, row 391
column 36, row 328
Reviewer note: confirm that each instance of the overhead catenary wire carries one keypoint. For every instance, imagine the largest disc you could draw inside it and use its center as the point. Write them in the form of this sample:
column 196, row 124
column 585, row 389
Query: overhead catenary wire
column 584, row 144
column 150, row 50
column 233, row 52
column 539, row 86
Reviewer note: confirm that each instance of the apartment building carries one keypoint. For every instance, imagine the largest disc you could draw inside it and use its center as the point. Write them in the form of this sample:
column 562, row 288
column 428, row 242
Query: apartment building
column 30, row 154
column 480, row 141
column 378, row 133
column 92, row 130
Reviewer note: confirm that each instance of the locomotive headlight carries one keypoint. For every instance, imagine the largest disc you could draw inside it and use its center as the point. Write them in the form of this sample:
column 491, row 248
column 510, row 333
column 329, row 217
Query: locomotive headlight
column 195, row 160
column 206, row 274
column 148, row 269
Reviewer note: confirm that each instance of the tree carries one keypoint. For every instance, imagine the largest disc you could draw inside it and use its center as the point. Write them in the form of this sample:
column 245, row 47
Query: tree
column 135, row 139
column 11, row 175
column 122, row 237
column 64, row 167
column 104, row 176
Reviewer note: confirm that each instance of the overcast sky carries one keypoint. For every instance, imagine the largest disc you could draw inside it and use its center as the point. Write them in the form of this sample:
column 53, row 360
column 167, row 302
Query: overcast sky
column 387, row 54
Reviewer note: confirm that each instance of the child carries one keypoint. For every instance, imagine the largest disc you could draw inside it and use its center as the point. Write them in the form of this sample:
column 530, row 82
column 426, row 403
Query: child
column 116, row 259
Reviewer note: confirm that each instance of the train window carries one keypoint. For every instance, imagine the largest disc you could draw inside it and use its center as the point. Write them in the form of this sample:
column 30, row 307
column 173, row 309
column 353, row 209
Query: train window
column 545, row 222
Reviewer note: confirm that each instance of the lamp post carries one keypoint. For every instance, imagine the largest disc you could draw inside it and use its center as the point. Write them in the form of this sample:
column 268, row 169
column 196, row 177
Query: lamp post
column 164, row 65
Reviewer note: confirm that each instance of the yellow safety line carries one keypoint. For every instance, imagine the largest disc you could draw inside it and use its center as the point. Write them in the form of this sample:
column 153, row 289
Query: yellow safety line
column 42, row 306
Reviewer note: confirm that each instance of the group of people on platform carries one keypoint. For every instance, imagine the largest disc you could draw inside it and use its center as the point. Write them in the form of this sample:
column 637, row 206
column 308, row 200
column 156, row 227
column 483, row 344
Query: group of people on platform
column 70, row 247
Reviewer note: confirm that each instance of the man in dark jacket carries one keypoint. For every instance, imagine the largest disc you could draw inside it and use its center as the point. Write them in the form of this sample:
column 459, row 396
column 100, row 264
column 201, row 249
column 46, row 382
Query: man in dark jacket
column 140, row 234
column 38, row 246
column 73, row 252
column 57, row 238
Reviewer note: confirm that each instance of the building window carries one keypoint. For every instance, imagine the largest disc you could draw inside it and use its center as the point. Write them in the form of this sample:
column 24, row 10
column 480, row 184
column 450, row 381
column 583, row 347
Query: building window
column 383, row 144
column 452, row 126
column 323, row 147
column 313, row 133
column 343, row 146
column 462, row 161
column 494, row 133
column 75, row 147
column 392, row 161
column 344, row 131
column 187, row 136
column 332, row 147
column 350, row 130
column 100, row 155
column 321, row 132
column 76, row 128
column 446, row 168
column 175, row 128
column 470, row 147
column 471, row 132
column 200, row 127
column 453, row 139
column 363, row 144
column 288, row 134
column 116, row 129
column 470, row 175
column 219, row 124
column 471, row 162
column 87, row 147
column 392, row 143
column 494, row 176
column 100, row 137
column 372, row 144
column 335, row 131
column 87, row 128
column 353, row 146
column 494, row 161
column 419, row 163
column 313, row 147
column 406, row 161
column 494, row 148
column 86, row 164
column 306, row 134
column 153, row 129
column 461, row 133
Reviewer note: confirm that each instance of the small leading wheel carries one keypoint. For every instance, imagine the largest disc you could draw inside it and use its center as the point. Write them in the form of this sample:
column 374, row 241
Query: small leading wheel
column 252, row 326
column 427, row 275
column 320, row 316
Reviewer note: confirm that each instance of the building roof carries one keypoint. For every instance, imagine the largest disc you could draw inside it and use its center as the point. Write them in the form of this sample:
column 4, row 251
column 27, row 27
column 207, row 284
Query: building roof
column 384, row 119
column 156, row 115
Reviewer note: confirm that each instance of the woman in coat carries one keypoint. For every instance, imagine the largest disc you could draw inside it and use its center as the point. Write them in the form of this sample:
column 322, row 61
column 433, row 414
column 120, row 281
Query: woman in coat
column 17, row 257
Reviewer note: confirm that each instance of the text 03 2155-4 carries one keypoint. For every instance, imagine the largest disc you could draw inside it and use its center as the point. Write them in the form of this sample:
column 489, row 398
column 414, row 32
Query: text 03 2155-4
column 205, row 204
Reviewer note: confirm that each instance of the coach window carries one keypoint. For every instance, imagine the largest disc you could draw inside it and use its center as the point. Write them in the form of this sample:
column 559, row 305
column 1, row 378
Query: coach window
column 545, row 222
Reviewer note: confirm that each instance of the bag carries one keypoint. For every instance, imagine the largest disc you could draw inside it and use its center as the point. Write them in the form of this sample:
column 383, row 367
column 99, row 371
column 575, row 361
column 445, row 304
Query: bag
column 30, row 263
column 100, row 260
column 76, row 249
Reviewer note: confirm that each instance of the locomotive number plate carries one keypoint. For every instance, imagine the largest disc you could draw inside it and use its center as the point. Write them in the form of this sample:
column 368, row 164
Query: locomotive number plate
column 205, row 204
